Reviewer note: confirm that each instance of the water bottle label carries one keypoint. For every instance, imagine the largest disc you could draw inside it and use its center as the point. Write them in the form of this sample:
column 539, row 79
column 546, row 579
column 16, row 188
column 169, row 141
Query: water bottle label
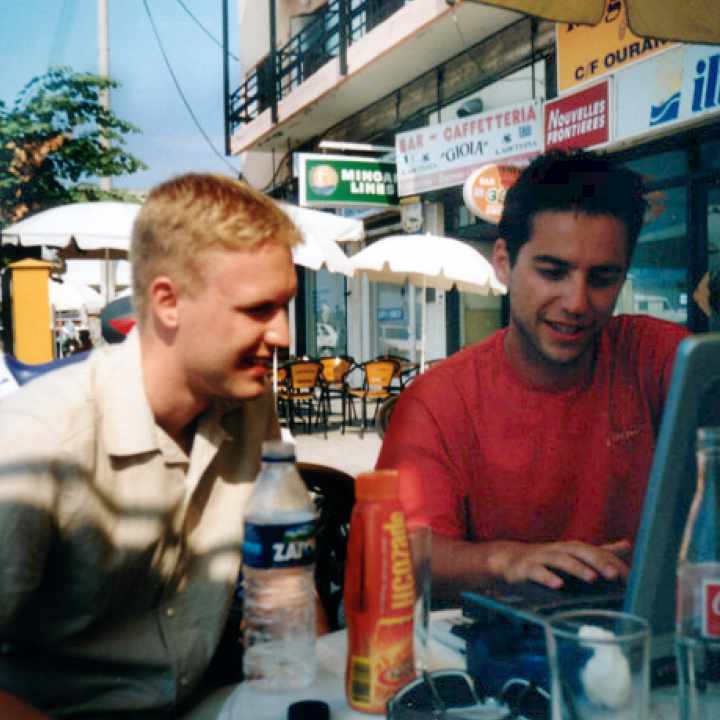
column 279, row 546
column 711, row 608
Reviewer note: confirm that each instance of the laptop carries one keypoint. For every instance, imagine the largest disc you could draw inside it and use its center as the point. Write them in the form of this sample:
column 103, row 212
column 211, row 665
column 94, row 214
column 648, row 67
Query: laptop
column 693, row 401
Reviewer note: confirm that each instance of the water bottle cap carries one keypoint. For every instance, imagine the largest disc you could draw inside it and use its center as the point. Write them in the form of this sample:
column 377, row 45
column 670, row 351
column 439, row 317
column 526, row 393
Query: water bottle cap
column 708, row 437
column 377, row 485
column 278, row 451
column 309, row 710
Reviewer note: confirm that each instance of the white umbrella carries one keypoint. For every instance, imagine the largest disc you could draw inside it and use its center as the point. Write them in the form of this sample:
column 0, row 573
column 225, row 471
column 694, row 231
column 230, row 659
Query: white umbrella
column 315, row 223
column 322, row 252
column 103, row 229
column 428, row 261
column 80, row 230
column 69, row 295
column 321, row 233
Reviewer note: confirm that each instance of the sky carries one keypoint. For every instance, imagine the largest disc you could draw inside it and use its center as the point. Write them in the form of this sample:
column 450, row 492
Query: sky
column 37, row 34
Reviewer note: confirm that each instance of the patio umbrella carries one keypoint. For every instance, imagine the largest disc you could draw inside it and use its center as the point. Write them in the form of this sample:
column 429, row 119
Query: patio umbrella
column 691, row 21
column 78, row 230
column 86, row 230
column 428, row 261
column 70, row 295
column 103, row 230
column 321, row 233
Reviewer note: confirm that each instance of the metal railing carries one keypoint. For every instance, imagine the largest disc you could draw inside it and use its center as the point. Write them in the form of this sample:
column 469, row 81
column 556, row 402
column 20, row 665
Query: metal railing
column 316, row 44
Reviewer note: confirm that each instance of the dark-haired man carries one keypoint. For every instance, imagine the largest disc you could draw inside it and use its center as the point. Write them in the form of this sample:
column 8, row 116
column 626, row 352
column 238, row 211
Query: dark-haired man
column 532, row 449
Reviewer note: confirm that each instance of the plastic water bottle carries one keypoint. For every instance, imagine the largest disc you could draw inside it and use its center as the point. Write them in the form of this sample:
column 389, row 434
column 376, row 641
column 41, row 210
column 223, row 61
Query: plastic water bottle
column 698, row 592
column 278, row 565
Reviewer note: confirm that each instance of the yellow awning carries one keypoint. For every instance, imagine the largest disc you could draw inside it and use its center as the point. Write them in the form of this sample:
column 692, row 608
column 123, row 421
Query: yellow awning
column 689, row 21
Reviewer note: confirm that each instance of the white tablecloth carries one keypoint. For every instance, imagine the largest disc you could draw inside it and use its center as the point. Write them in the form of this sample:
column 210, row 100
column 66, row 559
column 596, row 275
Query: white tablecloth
column 246, row 702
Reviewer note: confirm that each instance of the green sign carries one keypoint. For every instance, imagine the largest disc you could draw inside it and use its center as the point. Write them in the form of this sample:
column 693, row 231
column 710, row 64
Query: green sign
column 340, row 181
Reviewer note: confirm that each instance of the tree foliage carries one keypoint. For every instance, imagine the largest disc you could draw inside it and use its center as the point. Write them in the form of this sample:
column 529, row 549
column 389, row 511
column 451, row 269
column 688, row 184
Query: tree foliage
column 55, row 139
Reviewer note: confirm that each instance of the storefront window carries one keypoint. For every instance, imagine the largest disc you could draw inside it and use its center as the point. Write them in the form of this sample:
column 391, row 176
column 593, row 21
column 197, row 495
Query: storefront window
column 327, row 324
column 710, row 156
column 657, row 281
column 661, row 166
column 395, row 320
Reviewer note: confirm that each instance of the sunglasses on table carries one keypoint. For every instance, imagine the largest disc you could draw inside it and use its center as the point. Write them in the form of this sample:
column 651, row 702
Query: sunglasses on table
column 452, row 695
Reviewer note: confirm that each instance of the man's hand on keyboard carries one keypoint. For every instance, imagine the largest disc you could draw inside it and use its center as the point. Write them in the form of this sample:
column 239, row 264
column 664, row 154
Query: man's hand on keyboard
column 545, row 563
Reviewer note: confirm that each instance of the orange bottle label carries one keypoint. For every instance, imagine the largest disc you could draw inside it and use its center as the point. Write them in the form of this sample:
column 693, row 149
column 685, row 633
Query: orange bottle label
column 379, row 600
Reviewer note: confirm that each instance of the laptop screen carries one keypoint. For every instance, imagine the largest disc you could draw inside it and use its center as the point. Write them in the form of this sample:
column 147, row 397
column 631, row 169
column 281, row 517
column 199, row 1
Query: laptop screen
column 693, row 401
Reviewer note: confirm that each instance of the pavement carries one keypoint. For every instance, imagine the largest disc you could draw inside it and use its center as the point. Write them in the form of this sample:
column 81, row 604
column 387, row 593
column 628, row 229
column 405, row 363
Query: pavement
column 348, row 452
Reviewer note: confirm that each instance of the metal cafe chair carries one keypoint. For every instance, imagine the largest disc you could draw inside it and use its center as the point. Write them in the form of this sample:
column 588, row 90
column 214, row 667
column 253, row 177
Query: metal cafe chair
column 333, row 492
column 383, row 415
column 303, row 386
column 334, row 386
column 376, row 386
column 407, row 370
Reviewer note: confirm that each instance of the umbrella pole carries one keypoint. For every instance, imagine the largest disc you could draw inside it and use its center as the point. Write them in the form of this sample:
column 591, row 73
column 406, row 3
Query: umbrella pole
column 423, row 320
column 275, row 371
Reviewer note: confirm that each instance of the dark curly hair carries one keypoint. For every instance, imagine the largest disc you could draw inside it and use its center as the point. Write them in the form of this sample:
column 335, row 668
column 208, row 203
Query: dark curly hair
column 582, row 181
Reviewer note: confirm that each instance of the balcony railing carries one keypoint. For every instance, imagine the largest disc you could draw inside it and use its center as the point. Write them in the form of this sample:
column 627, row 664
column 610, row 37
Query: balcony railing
column 316, row 44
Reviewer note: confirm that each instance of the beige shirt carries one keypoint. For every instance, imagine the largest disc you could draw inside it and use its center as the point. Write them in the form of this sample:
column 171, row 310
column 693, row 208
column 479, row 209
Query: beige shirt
column 118, row 553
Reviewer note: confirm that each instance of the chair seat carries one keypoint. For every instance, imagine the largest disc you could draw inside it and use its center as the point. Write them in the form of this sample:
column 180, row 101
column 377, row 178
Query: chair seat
column 334, row 375
column 303, row 385
column 370, row 394
column 378, row 376
column 296, row 394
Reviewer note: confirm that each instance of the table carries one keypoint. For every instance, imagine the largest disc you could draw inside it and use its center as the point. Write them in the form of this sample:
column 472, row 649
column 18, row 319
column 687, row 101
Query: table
column 247, row 702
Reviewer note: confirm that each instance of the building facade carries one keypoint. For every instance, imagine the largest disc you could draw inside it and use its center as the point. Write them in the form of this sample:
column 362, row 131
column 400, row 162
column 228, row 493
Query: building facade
column 452, row 86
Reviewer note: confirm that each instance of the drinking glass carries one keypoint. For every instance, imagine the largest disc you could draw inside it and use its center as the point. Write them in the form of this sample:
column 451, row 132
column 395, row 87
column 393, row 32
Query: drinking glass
column 420, row 536
column 599, row 665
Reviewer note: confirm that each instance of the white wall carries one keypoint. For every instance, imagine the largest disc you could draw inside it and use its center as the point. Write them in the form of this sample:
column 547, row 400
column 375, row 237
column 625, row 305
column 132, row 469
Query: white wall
column 254, row 28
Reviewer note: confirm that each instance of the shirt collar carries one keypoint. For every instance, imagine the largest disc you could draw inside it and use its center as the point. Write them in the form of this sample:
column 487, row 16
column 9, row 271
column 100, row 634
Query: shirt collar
column 128, row 424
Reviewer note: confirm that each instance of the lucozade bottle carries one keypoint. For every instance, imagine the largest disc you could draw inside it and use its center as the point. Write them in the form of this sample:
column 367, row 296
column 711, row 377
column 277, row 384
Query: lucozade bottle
column 379, row 594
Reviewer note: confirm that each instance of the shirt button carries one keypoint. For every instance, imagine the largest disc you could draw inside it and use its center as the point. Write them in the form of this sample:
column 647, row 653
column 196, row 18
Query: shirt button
column 184, row 680
column 170, row 612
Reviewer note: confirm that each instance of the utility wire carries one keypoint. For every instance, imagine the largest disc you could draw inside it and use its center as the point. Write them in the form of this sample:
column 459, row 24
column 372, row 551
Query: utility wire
column 205, row 30
column 235, row 170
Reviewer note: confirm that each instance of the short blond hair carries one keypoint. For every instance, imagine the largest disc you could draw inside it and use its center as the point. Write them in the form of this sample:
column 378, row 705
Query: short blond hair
column 191, row 214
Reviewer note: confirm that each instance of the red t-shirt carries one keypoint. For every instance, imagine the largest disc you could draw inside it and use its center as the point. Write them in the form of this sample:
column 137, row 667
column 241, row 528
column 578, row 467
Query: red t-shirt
column 498, row 459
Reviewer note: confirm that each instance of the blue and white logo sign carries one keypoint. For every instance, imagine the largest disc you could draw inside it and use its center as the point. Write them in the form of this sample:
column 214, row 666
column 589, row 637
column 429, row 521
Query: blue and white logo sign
column 675, row 87
column 666, row 111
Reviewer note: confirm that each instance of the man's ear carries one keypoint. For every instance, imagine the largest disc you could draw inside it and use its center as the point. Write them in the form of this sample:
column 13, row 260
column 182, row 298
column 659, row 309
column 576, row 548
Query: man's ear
column 163, row 298
column 501, row 261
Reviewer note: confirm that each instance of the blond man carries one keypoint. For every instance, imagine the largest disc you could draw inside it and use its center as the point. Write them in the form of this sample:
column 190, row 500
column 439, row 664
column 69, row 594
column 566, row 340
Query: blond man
column 123, row 478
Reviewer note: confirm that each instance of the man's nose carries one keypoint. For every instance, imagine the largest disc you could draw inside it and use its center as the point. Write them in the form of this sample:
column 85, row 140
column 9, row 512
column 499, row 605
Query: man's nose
column 576, row 299
column 277, row 331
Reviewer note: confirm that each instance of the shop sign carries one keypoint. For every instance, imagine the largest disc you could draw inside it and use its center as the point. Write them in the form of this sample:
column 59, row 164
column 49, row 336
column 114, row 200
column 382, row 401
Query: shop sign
column 676, row 87
column 485, row 189
column 411, row 213
column 384, row 314
column 587, row 52
column 342, row 181
column 578, row 120
column 441, row 156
